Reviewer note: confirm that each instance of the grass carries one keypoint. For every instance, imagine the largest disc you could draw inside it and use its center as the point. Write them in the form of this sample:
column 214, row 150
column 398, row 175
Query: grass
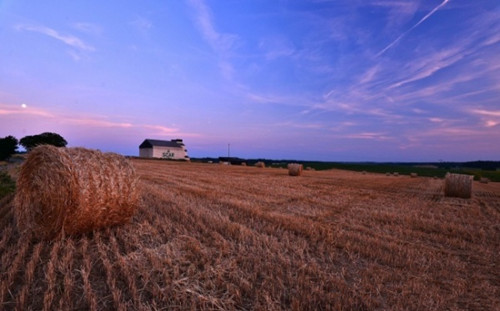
column 242, row 238
column 7, row 185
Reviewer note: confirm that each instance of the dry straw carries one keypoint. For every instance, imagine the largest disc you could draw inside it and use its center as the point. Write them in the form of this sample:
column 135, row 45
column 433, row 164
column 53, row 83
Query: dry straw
column 74, row 190
column 458, row 185
column 295, row 169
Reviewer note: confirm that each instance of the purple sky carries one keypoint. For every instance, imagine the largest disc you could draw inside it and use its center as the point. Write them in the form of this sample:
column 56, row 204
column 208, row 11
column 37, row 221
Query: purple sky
column 346, row 80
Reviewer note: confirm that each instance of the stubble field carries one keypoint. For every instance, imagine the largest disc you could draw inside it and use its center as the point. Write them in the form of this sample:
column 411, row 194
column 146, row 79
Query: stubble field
column 219, row 237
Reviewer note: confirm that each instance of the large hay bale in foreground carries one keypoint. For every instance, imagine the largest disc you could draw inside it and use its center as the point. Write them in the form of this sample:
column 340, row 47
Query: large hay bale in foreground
column 458, row 185
column 74, row 190
column 295, row 169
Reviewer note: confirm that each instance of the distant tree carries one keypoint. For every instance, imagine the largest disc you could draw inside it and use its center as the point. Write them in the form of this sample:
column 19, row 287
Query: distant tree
column 8, row 146
column 30, row 142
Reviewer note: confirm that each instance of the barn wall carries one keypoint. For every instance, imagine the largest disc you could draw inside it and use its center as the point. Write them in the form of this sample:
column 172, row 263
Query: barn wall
column 169, row 153
column 146, row 153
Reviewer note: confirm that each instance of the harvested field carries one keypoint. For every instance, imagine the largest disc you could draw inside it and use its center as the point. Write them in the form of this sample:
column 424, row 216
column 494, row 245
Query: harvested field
column 240, row 238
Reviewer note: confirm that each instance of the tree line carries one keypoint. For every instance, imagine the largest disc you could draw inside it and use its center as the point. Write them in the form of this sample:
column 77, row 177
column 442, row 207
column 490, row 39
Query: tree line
column 10, row 144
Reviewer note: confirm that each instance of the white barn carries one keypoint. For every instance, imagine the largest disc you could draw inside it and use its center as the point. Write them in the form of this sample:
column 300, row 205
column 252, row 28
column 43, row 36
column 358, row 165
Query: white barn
column 164, row 149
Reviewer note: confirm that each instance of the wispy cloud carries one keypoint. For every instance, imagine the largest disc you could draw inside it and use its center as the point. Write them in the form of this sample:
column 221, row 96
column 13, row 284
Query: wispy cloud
column 204, row 20
column 69, row 40
column 490, row 113
column 142, row 25
column 370, row 74
column 89, row 122
column 423, row 19
column 399, row 11
column 490, row 118
column 369, row 136
column 276, row 47
column 300, row 125
column 20, row 110
column 222, row 43
column 88, row 28
column 426, row 66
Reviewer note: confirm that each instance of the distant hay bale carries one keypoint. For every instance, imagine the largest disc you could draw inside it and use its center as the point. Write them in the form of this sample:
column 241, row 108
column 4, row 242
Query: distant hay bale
column 243, row 164
column 295, row 169
column 363, row 172
column 413, row 175
column 435, row 177
column 484, row 180
column 395, row 174
column 260, row 164
column 74, row 190
column 387, row 174
column 458, row 185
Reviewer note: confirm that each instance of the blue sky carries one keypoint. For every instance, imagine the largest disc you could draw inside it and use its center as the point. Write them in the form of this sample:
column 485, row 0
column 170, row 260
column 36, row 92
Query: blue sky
column 346, row 80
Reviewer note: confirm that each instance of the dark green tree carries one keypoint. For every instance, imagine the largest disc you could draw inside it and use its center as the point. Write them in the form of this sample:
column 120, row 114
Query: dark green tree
column 8, row 146
column 47, row 138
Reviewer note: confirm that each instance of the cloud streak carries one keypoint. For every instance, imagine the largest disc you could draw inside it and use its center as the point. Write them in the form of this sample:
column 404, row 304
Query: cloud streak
column 218, row 41
column 423, row 19
column 221, row 43
column 89, row 122
column 69, row 40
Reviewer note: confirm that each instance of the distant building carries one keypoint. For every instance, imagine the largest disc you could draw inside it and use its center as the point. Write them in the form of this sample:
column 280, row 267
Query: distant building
column 165, row 149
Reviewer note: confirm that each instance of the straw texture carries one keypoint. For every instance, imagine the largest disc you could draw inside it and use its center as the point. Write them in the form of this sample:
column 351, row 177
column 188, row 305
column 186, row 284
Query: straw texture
column 458, row 185
column 260, row 164
column 295, row 169
column 74, row 190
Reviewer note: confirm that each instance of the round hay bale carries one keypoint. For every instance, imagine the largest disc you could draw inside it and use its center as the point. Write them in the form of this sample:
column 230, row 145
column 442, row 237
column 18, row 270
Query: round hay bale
column 458, row 185
column 295, row 169
column 74, row 190
column 395, row 174
column 484, row 180
column 413, row 175
column 260, row 164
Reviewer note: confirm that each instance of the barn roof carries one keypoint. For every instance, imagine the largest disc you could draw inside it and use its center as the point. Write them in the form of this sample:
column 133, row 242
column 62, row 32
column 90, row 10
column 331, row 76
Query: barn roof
column 149, row 143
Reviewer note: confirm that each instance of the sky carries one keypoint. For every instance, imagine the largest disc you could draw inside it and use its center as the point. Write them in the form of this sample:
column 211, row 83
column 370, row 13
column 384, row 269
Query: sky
column 340, row 80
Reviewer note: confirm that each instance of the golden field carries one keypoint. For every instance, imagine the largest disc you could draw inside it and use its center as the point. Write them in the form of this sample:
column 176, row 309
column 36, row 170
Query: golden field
column 217, row 237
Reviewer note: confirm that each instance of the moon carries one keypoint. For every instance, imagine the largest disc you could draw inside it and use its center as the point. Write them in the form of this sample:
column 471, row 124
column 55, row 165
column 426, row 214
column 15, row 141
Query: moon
column 23, row 106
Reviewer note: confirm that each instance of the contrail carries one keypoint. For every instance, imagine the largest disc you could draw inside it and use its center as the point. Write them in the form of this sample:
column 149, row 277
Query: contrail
column 413, row 27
